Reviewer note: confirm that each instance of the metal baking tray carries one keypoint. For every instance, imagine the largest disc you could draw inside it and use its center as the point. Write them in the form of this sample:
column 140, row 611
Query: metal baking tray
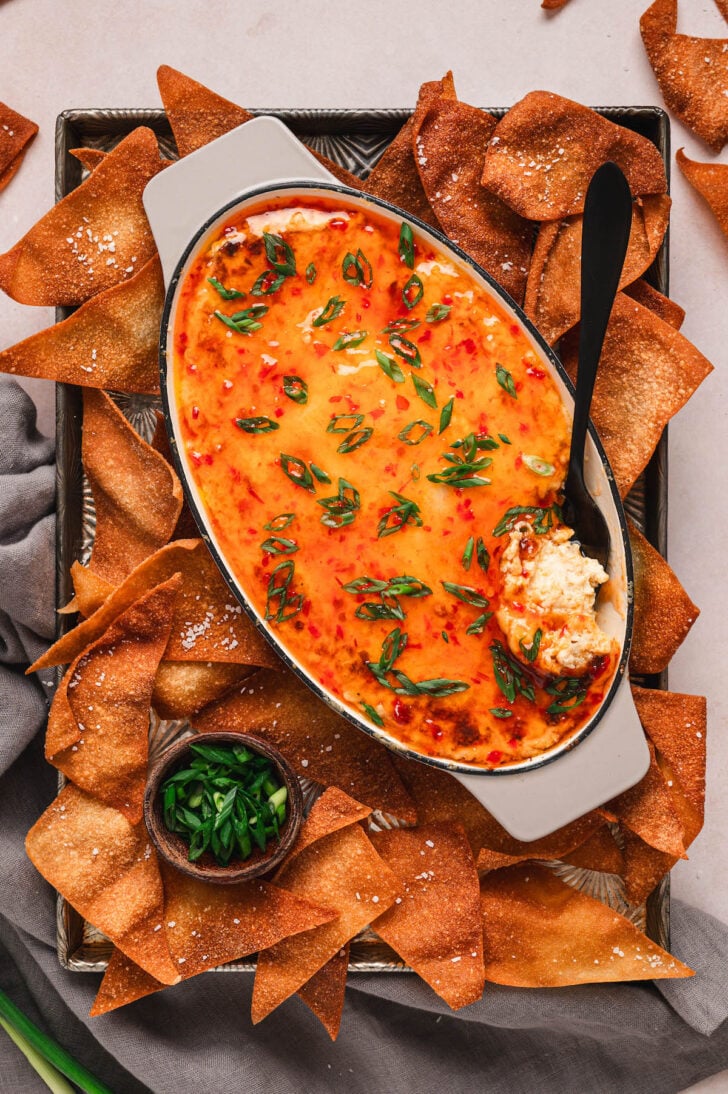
column 355, row 139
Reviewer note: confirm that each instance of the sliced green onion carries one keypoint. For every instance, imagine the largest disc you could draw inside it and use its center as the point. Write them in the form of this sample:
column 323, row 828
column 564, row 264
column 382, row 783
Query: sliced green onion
column 279, row 254
column 295, row 388
column 406, row 246
column 257, row 425
column 413, row 291
column 425, row 390
column 350, row 339
column 331, row 310
column 505, row 380
column 539, row 466
column 406, row 434
column 437, row 312
column 226, row 294
column 389, row 367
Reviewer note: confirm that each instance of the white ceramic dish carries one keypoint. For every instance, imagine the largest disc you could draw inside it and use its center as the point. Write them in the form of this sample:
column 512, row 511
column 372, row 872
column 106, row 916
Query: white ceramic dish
column 185, row 204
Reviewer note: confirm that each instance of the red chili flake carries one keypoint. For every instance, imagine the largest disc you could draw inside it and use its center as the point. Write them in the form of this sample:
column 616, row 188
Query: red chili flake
column 402, row 712
column 514, row 742
column 523, row 427
column 182, row 340
column 402, row 403
column 265, row 371
column 515, row 329
column 537, row 373
column 253, row 494
column 196, row 458
column 459, row 394
column 306, row 610
column 195, row 412
column 320, row 349
column 352, row 405
column 235, row 474
column 338, row 224
column 450, row 626
column 447, row 531
column 314, row 631
column 517, row 606
column 208, row 459
column 598, row 667
column 339, row 632
column 296, row 290
column 495, row 756
column 252, row 531
column 391, row 469
column 518, row 463
column 426, row 337
column 447, row 299
column 279, row 412
column 435, row 730
column 336, row 398
column 365, row 302
column 468, row 345
column 377, row 412
column 192, row 369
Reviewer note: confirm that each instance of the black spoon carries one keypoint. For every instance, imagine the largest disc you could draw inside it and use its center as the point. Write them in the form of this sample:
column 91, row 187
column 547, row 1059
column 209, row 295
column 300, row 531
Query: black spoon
column 607, row 222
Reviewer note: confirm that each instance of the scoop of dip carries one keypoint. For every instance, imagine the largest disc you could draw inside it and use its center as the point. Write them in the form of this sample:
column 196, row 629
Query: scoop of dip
column 547, row 605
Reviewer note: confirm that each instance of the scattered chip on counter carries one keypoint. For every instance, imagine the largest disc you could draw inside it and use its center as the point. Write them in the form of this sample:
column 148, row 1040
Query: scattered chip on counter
column 95, row 238
column 108, row 871
column 552, row 294
column 540, row 933
column 109, row 690
column 692, row 72
column 137, row 496
column 663, row 611
column 434, row 924
column 545, row 150
column 711, row 182
column 111, row 342
column 317, row 742
column 16, row 133
column 647, row 372
column 323, row 994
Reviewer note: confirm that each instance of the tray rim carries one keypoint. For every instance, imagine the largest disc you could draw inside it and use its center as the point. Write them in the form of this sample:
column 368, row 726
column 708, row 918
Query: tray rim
column 68, row 463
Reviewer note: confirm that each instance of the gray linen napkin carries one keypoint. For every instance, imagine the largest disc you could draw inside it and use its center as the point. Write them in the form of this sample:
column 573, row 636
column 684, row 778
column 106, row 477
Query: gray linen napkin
column 396, row 1034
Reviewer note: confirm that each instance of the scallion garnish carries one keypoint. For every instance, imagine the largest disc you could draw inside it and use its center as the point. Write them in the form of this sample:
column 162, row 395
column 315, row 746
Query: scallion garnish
column 541, row 519
column 281, row 604
column 413, row 291
column 539, row 466
column 388, row 606
column 356, row 269
column 407, row 435
column 297, row 472
column 463, row 471
column 408, row 351
column 569, row 692
column 399, row 516
column 355, row 440
column 228, row 800
column 504, row 438
column 319, row 474
column 501, row 712
column 482, row 555
column 400, row 326
column 277, row 545
column 372, row 714
column 295, row 388
column 256, row 425
column 505, row 380
column 280, row 523
column 331, row 310
column 389, row 367
column 467, row 594
column 267, row 283
column 310, row 273
column 468, row 553
column 509, row 675
column 478, row 625
column 350, row 339
column 407, row 246
column 425, row 390
column 341, row 509
column 279, row 254
column 437, row 312
column 531, row 652
column 226, row 294
column 350, row 422
column 243, row 322
column 446, row 414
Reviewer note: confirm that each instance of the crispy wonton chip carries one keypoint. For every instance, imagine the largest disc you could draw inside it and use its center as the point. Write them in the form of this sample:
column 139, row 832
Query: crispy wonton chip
column 644, row 867
column 341, row 871
column 544, row 152
column 323, row 994
column 649, row 297
column 317, row 741
column 663, row 611
column 89, row 158
column 647, row 372
column 207, row 626
column 711, row 182
column 449, row 147
column 439, row 797
column 137, row 496
column 186, row 527
column 692, row 72
column 554, row 281
column 181, row 688
column 647, row 809
column 108, row 871
column 89, row 591
column 110, row 342
column 124, row 982
column 553, row 5
column 435, row 925
column 16, row 133
column 395, row 176
column 598, row 852
column 198, row 116
column 676, row 725
column 95, row 238
column 331, row 812
column 109, row 690
column 540, row 933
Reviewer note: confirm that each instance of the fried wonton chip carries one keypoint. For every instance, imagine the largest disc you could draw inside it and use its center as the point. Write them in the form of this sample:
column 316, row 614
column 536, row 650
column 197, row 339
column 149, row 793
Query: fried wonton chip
column 449, row 147
column 395, row 176
column 439, row 797
column 16, row 133
column 317, row 741
column 553, row 5
column 692, row 72
column 323, row 994
column 644, row 867
column 110, row 342
column 109, row 690
column 89, row 158
column 208, row 625
column 435, row 926
column 137, row 496
column 711, row 182
column 107, row 870
column 544, row 152
column 647, row 809
column 181, row 688
column 661, row 305
column 95, row 238
column 89, row 591
column 341, row 871
column 554, row 281
column 599, row 852
column 124, row 982
column 663, row 611
column 647, row 372
column 186, row 527
column 198, row 116
column 676, row 725
column 331, row 812
column 540, row 933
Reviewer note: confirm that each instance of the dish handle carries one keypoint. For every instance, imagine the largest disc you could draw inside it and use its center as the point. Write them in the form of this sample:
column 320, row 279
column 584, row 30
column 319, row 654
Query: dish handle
column 534, row 803
column 181, row 198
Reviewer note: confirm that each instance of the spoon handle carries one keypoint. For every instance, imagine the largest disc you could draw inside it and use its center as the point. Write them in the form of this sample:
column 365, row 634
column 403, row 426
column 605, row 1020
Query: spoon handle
column 605, row 235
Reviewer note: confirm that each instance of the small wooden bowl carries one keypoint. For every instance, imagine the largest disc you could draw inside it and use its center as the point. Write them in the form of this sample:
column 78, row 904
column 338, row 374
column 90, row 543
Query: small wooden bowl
column 175, row 850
